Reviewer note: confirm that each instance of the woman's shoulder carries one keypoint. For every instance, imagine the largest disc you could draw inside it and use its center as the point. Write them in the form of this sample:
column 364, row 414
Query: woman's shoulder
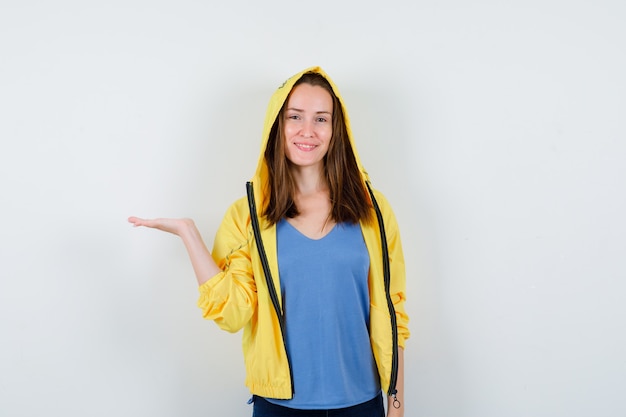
column 386, row 210
column 233, row 229
column 238, row 210
column 381, row 199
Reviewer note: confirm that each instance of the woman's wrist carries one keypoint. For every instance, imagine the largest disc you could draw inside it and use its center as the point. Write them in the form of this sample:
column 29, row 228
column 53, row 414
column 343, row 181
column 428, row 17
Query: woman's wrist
column 188, row 230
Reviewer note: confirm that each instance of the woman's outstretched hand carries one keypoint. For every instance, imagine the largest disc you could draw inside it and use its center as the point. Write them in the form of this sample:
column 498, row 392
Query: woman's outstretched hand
column 203, row 264
column 174, row 226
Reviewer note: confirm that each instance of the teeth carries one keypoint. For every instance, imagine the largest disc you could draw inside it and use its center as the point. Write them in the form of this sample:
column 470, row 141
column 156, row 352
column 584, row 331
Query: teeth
column 308, row 147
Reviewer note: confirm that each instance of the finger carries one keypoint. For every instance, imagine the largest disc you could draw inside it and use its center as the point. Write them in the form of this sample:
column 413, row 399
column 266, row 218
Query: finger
column 136, row 221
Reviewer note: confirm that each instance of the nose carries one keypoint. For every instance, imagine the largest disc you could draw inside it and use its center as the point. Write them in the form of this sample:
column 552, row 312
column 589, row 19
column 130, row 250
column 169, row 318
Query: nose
column 307, row 129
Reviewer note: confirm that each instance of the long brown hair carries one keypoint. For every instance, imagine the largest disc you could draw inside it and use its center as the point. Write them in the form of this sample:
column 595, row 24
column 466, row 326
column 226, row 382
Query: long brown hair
column 347, row 193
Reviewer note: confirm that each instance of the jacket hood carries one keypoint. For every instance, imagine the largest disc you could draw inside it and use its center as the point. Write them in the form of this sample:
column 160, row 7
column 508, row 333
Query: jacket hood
column 260, row 179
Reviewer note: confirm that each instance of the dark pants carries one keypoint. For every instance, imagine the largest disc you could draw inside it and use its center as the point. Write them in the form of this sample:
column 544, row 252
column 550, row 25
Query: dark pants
column 371, row 408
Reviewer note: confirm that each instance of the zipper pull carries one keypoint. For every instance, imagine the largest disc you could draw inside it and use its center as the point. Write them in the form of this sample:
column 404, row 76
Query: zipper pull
column 396, row 403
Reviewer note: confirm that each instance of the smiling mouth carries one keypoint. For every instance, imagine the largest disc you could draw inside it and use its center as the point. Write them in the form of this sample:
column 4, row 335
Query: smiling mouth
column 305, row 147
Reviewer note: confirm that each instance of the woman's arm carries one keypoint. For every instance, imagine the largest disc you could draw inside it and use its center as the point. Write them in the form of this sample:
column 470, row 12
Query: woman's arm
column 391, row 410
column 203, row 264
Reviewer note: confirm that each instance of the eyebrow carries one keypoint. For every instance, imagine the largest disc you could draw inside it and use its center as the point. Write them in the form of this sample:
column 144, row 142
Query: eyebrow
column 300, row 110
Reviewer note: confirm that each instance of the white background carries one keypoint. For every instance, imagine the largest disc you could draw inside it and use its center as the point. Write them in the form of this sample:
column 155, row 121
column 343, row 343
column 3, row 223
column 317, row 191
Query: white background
column 496, row 129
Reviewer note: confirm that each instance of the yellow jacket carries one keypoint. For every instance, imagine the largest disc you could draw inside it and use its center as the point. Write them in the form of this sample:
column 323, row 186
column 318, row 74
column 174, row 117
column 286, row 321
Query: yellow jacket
column 241, row 296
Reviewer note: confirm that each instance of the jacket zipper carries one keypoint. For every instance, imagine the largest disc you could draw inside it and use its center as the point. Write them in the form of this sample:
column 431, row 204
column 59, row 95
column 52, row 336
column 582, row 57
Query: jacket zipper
column 393, row 379
column 268, row 274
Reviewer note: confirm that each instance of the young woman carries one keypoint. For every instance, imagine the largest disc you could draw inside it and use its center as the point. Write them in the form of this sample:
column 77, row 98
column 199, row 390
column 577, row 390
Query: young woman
column 310, row 265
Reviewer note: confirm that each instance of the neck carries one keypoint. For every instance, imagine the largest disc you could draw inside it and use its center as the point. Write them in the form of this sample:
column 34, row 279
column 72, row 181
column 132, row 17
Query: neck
column 309, row 180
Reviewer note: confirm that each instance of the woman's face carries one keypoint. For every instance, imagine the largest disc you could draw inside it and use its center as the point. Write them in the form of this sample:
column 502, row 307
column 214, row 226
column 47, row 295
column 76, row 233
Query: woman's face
column 308, row 125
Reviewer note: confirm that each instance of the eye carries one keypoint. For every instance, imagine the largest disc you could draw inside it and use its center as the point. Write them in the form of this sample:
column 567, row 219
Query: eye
column 293, row 116
column 321, row 120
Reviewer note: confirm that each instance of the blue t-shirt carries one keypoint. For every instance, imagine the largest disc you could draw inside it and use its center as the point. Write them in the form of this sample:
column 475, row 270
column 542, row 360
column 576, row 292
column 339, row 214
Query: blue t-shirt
column 326, row 302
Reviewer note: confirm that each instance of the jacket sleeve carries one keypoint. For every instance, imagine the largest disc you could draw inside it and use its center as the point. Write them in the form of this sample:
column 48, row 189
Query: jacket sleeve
column 397, row 269
column 230, row 298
